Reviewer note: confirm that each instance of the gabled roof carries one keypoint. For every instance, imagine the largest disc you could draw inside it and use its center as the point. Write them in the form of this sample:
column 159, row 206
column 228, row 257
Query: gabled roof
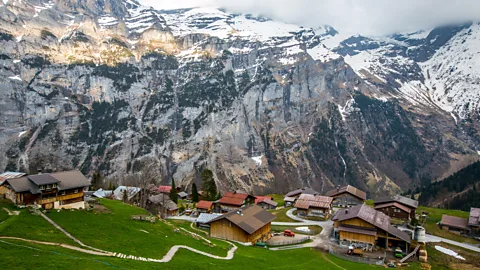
column 347, row 189
column 249, row 218
column 164, row 200
column 43, row 179
column 131, row 192
column 397, row 205
column 257, row 198
column 267, row 201
column 305, row 201
column 205, row 218
column 10, row 175
column 400, row 199
column 456, row 222
column 289, row 199
column 23, row 184
column 182, row 194
column 372, row 216
column 474, row 218
column 234, row 198
column 102, row 193
column 204, row 205
column 164, row 189
column 70, row 180
column 302, row 191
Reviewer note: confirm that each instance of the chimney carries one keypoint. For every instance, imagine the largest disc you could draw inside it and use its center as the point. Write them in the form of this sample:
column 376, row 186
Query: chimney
column 39, row 171
column 346, row 211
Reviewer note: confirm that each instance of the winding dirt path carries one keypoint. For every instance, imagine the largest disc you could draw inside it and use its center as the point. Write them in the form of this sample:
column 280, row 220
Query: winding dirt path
column 94, row 251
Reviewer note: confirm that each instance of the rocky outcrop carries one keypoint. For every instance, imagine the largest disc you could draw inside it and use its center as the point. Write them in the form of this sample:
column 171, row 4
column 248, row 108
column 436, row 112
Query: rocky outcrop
column 122, row 86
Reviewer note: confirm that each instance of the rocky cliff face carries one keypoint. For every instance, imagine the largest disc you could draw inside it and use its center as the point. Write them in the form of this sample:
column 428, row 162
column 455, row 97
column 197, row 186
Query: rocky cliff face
column 112, row 86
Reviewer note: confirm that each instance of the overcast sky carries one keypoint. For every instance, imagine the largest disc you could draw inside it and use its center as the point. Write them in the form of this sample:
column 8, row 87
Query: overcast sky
column 369, row 17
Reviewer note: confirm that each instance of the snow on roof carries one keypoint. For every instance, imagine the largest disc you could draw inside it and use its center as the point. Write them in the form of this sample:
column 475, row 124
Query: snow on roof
column 205, row 218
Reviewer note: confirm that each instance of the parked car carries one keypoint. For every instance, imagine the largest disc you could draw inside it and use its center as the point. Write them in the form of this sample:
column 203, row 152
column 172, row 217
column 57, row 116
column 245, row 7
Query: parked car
column 288, row 233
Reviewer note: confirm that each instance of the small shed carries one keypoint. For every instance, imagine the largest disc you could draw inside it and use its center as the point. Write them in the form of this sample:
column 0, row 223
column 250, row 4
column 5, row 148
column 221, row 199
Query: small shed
column 182, row 195
column 454, row 224
column 205, row 207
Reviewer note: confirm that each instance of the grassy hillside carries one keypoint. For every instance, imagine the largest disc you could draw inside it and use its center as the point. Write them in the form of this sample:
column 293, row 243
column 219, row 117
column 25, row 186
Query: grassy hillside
column 113, row 230
column 435, row 215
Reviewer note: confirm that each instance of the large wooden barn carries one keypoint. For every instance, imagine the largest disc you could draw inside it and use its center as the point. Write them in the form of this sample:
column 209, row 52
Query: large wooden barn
column 363, row 224
column 248, row 224
column 347, row 196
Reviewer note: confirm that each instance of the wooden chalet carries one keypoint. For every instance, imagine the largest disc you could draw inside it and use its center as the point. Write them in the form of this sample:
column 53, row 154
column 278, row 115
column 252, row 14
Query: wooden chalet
column 314, row 206
column 453, row 224
column 205, row 207
column 161, row 205
column 474, row 221
column 266, row 202
column 61, row 190
column 347, row 196
column 248, row 224
column 365, row 225
column 234, row 200
column 294, row 194
column 399, row 207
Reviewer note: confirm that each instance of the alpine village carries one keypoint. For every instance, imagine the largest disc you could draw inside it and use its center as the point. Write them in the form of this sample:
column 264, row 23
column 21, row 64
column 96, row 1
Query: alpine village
column 199, row 138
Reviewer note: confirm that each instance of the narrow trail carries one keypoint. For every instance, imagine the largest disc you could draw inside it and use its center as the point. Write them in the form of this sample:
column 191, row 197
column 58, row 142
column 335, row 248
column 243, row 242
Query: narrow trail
column 94, row 251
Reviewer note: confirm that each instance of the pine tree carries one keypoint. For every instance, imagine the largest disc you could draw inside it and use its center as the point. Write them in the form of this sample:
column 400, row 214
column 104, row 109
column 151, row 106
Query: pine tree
column 173, row 192
column 194, row 193
column 209, row 186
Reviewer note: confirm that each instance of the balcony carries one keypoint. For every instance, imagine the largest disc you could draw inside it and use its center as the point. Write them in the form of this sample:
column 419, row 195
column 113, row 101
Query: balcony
column 61, row 198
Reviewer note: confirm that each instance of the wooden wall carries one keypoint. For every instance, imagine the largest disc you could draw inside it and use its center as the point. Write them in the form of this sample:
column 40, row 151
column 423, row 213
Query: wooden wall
column 346, row 199
column 370, row 239
column 358, row 222
column 226, row 230
column 395, row 212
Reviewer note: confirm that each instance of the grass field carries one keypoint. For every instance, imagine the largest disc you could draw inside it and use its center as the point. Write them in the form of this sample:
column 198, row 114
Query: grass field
column 278, row 198
column 281, row 215
column 314, row 230
column 114, row 231
column 435, row 215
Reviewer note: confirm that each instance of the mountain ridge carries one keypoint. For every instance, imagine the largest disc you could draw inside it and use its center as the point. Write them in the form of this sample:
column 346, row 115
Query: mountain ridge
column 265, row 105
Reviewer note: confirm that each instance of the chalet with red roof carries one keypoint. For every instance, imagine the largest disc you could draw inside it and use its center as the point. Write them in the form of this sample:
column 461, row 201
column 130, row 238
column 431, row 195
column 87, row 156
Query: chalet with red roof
column 205, row 207
column 233, row 200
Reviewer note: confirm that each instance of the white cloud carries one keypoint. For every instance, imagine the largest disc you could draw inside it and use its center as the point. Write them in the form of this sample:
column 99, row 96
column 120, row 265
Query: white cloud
column 352, row 16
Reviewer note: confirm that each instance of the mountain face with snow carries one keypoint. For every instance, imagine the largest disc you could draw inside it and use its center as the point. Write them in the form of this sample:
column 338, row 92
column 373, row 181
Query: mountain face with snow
column 113, row 86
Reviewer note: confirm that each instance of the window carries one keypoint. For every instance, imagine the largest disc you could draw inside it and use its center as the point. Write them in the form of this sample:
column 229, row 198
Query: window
column 42, row 187
column 75, row 191
column 49, row 187
column 54, row 185
column 62, row 193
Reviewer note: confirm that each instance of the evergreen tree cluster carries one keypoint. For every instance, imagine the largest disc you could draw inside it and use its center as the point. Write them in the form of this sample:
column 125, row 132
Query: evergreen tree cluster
column 467, row 178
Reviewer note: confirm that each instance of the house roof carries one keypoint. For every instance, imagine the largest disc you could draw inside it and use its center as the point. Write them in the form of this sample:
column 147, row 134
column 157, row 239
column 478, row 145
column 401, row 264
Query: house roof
column 474, row 218
column 164, row 189
column 182, row 194
column 347, row 189
column 249, row 218
column 456, row 222
column 257, row 198
column 70, row 180
column 102, row 193
column 234, row 198
column 10, row 175
column 289, row 199
column 43, row 179
column 205, row 218
column 267, row 201
column 164, row 200
column 305, row 201
column 398, row 205
column 400, row 199
column 372, row 216
column 131, row 192
column 204, row 205
column 302, row 191
column 23, row 184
